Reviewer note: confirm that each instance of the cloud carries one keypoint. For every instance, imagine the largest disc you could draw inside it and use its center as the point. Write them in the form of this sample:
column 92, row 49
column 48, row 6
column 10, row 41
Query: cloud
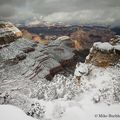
column 83, row 17
column 79, row 11
column 51, row 6
column 7, row 11
column 13, row 2
column 8, row 8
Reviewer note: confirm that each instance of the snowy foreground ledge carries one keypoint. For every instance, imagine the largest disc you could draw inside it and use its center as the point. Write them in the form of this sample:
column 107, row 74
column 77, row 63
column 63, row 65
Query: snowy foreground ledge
column 73, row 112
column 98, row 97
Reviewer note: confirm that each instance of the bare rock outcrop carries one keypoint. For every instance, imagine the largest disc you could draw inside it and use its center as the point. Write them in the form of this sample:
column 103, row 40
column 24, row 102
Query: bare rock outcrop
column 8, row 32
column 105, row 54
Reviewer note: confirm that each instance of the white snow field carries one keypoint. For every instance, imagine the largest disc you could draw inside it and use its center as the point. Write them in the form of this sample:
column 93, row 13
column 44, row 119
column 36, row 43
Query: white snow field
column 9, row 112
column 97, row 98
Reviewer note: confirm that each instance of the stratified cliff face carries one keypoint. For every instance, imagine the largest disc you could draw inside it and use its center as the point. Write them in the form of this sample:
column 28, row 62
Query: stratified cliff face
column 34, row 60
column 87, row 38
column 105, row 54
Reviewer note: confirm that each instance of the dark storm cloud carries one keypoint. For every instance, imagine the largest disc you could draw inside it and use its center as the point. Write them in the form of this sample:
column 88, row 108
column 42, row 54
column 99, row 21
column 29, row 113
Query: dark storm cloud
column 84, row 11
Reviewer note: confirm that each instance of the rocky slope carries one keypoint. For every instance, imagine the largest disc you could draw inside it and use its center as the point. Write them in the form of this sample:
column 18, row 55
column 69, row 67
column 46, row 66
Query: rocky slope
column 33, row 58
column 24, row 63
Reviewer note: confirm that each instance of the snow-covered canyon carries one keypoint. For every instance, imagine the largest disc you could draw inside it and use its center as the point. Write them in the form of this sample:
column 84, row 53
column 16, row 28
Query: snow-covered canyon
column 92, row 93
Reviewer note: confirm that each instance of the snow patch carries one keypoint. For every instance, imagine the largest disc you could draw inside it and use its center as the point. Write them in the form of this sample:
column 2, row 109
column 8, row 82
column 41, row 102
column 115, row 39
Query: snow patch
column 103, row 46
column 81, row 69
column 117, row 47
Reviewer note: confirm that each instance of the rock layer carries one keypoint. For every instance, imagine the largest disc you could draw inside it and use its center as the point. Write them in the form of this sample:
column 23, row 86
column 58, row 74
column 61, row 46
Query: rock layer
column 105, row 54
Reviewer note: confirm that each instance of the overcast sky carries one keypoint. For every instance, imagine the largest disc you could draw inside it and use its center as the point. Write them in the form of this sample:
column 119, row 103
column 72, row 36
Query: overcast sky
column 71, row 11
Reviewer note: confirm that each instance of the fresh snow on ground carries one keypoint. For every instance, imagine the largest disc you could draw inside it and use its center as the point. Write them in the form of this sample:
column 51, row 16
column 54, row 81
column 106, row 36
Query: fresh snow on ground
column 99, row 93
column 8, row 112
column 97, row 98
